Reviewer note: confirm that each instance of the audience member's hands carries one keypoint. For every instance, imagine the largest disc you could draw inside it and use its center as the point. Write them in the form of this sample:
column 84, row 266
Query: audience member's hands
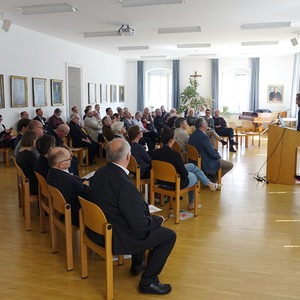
column 86, row 182
column 163, row 220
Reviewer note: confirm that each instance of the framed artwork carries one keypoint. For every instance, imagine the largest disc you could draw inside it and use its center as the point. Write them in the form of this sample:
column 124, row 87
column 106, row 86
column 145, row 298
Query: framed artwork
column 275, row 93
column 19, row 91
column 121, row 93
column 103, row 93
column 92, row 90
column 39, row 91
column 57, row 92
column 113, row 93
column 2, row 99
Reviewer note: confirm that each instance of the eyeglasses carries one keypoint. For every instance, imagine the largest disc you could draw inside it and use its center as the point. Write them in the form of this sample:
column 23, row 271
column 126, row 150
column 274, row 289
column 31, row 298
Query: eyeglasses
column 64, row 160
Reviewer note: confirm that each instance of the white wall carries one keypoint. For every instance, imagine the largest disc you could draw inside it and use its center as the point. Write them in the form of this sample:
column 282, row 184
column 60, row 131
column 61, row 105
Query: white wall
column 31, row 54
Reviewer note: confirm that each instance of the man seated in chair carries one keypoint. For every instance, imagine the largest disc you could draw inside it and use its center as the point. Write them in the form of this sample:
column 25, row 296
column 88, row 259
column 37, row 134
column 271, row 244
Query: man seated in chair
column 134, row 229
column 222, row 129
column 211, row 160
column 68, row 184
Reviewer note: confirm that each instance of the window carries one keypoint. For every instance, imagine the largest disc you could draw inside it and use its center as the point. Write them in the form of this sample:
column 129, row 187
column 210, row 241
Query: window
column 158, row 88
column 235, row 84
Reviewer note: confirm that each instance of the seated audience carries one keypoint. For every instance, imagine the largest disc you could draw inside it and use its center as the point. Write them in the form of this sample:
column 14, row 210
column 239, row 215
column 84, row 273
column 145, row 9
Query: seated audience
column 22, row 127
column 6, row 139
column 148, row 120
column 118, row 129
column 81, row 139
column 159, row 121
column 97, row 111
column 181, row 135
column 211, row 128
column 135, row 230
column 69, row 185
column 55, row 120
column 39, row 117
column 120, row 111
column 59, row 133
column 127, row 119
column 106, row 129
column 109, row 111
column 191, row 117
column 189, row 173
column 211, row 160
column 43, row 145
column 27, row 160
column 87, row 108
column 142, row 158
column 24, row 115
column 222, row 129
column 92, row 127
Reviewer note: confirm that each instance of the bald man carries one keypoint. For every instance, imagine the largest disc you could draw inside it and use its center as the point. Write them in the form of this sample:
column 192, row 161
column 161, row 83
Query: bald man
column 135, row 230
column 59, row 133
column 69, row 185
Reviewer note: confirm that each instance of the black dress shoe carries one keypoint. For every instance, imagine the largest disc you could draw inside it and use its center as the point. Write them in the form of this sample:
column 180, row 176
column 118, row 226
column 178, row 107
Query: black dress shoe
column 155, row 288
column 233, row 143
column 223, row 142
column 231, row 149
column 135, row 270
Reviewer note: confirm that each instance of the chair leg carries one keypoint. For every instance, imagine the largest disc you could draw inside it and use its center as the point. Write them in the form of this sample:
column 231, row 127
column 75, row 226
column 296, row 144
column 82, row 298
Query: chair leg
column 83, row 258
column 69, row 248
column 27, row 214
column 196, row 200
column 220, row 177
column 177, row 208
column 109, row 277
column 42, row 217
column 120, row 260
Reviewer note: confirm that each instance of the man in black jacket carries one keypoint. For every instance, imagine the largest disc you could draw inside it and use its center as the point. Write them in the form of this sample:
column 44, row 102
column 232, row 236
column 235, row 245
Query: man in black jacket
column 134, row 229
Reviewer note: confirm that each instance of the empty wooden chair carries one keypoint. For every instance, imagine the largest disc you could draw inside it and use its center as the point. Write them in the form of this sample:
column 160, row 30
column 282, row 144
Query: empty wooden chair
column 249, row 129
column 58, row 208
column 195, row 156
column 238, row 135
column 91, row 216
column 25, row 198
column 163, row 171
column 43, row 201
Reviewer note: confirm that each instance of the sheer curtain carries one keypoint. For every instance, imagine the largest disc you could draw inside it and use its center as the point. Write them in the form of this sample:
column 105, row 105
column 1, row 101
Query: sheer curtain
column 140, row 86
column 295, row 85
column 254, row 85
column 175, row 84
column 215, row 82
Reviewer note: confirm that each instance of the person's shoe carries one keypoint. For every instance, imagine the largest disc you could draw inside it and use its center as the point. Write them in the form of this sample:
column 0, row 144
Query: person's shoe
column 135, row 270
column 191, row 206
column 231, row 149
column 224, row 142
column 214, row 186
column 233, row 142
column 155, row 288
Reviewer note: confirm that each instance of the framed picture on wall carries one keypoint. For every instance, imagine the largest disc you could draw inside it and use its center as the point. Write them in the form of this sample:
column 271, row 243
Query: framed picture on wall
column 92, row 90
column 103, row 93
column 113, row 93
column 275, row 93
column 121, row 93
column 39, row 91
column 2, row 99
column 19, row 91
column 57, row 92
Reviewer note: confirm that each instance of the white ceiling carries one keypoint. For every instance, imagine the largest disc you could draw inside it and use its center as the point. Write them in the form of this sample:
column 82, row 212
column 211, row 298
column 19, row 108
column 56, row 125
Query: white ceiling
column 220, row 21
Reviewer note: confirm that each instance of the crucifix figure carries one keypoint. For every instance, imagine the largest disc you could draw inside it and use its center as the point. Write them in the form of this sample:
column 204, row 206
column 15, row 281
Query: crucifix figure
column 195, row 75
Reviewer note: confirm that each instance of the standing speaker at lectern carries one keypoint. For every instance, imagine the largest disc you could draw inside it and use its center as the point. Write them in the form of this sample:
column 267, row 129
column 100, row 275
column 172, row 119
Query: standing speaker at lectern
column 298, row 103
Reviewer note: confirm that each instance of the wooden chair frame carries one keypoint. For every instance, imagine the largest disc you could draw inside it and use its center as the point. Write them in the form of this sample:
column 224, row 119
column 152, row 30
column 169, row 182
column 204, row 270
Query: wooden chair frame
column 5, row 152
column 166, row 172
column 58, row 206
column 195, row 156
column 238, row 135
column 249, row 129
column 78, row 152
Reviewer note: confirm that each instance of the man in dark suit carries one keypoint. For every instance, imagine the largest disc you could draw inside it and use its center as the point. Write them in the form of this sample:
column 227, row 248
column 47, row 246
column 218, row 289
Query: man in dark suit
column 69, row 185
column 39, row 117
column 298, row 104
column 134, row 229
column 210, row 159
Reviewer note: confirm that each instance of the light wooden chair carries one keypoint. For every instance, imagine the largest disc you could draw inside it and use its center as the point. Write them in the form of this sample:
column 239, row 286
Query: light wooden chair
column 79, row 153
column 91, row 216
column 43, row 202
column 195, row 156
column 5, row 152
column 177, row 148
column 238, row 135
column 249, row 129
column 58, row 207
column 166, row 172
column 25, row 198
column 135, row 169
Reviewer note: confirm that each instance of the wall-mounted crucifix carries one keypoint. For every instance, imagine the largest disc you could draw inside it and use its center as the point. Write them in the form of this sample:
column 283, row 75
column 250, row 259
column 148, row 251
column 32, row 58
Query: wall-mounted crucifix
column 195, row 75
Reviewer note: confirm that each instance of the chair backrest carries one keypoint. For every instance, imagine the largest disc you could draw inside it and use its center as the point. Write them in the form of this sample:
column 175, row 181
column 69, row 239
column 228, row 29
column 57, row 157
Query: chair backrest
column 177, row 148
column 134, row 168
column 232, row 125
column 164, row 171
column 23, row 182
column 43, row 186
column 58, row 201
column 247, row 126
column 194, row 155
column 94, row 218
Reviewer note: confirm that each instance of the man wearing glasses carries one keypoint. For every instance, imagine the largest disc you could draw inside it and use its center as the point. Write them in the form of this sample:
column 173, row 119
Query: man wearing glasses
column 69, row 185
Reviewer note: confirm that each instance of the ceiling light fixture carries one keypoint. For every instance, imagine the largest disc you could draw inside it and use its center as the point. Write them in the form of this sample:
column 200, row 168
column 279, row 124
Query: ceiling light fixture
column 182, row 46
column 135, row 3
column 269, row 25
column 260, row 43
column 47, row 9
column 294, row 41
column 6, row 23
column 133, row 48
column 153, row 56
column 178, row 30
column 203, row 54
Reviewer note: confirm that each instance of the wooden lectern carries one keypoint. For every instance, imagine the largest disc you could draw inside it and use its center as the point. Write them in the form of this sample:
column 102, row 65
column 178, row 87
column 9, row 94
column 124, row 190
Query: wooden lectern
column 281, row 155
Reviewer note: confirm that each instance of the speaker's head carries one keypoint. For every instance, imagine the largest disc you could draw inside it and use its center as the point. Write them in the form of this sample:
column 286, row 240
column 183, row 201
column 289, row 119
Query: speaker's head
column 294, row 42
column 6, row 25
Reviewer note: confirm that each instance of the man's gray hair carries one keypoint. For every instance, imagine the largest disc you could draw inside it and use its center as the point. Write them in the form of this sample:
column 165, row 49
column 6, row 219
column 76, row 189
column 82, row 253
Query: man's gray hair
column 117, row 150
column 199, row 121
column 74, row 115
column 117, row 127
